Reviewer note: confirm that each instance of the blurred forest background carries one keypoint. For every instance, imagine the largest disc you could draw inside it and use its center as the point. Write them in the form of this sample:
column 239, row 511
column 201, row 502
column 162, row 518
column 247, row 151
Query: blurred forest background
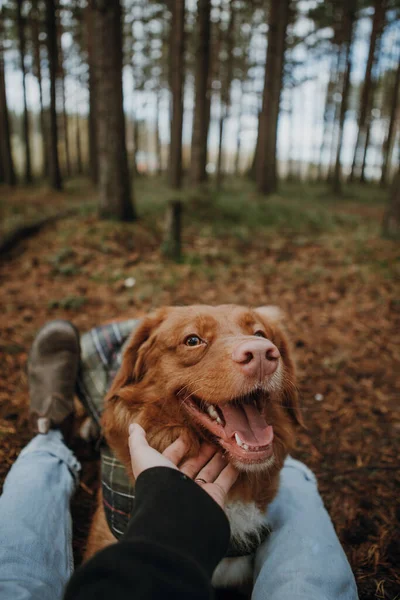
column 214, row 151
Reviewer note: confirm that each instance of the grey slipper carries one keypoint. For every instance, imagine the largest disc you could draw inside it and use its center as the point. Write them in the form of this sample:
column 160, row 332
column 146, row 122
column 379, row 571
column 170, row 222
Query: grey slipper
column 52, row 371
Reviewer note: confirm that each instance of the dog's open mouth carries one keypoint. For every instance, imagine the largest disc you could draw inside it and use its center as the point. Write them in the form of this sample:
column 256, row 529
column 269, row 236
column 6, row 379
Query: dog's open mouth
column 238, row 426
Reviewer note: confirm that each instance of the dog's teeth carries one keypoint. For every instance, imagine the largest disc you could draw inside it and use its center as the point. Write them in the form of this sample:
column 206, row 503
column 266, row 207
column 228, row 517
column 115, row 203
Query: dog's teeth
column 213, row 413
column 240, row 443
column 219, row 421
column 238, row 440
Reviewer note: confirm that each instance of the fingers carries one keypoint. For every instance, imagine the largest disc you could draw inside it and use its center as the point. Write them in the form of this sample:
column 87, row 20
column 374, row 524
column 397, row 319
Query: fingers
column 212, row 469
column 137, row 437
column 227, row 478
column 176, row 451
column 193, row 465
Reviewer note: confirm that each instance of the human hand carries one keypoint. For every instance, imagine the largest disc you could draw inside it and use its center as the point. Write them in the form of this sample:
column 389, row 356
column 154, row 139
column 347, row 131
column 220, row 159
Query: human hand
column 209, row 468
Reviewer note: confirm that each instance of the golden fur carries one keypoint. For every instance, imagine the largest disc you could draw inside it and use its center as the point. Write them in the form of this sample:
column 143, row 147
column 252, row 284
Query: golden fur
column 159, row 372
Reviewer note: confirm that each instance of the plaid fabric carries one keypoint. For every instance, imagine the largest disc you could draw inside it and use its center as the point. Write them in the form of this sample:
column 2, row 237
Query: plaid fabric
column 101, row 355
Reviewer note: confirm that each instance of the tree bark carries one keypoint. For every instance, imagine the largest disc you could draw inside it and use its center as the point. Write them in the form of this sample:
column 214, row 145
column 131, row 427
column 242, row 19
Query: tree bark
column 8, row 172
column 78, row 145
column 177, row 49
column 35, row 27
column 361, row 146
column 158, row 139
column 61, row 82
column 221, row 122
column 226, row 75
column 65, row 124
column 202, row 92
column 114, row 179
column 22, row 49
column 52, row 50
column 388, row 145
column 347, row 52
column 329, row 113
column 239, row 136
column 266, row 168
column 92, row 129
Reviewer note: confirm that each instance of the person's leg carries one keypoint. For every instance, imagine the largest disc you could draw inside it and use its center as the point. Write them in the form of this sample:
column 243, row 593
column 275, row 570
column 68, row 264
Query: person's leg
column 35, row 523
column 302, row 558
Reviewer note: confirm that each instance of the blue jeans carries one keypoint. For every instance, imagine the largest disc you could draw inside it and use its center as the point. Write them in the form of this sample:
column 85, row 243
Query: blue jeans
column 301, row 559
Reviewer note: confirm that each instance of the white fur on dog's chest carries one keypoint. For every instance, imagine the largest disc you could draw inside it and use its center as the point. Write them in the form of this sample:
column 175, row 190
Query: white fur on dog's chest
column 245, row 519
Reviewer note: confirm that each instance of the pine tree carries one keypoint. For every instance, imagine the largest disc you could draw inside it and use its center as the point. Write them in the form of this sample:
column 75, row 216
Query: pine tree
column 266, row 168
column 177, row 48
column 114, row 179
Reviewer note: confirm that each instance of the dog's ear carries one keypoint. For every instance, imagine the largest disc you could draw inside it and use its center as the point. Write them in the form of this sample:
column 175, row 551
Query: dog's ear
column 133, row 361
column 291, row 403
column 271, row 313
column 274, row 315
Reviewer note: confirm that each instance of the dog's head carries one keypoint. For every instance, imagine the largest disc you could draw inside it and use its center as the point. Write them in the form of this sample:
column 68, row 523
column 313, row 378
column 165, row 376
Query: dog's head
column 222, row 374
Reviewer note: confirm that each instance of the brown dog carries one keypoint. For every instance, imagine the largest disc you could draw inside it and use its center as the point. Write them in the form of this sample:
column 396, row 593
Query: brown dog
column 222, row 374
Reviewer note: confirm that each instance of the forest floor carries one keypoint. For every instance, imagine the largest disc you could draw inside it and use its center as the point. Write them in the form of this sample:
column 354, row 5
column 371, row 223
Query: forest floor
column 321, row 260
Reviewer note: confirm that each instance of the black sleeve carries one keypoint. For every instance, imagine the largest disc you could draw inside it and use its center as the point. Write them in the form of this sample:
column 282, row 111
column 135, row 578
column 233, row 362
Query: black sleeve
column 176, row 537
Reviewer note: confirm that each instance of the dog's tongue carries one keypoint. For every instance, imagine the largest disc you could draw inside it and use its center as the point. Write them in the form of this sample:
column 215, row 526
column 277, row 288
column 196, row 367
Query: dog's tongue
column 248, row 423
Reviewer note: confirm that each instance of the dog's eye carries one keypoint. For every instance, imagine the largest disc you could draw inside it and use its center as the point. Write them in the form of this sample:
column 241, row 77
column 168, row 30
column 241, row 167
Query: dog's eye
column 260, row 333
column 193, row 340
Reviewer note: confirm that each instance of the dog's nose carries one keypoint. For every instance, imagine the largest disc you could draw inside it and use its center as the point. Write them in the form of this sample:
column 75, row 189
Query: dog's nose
column 258, row 356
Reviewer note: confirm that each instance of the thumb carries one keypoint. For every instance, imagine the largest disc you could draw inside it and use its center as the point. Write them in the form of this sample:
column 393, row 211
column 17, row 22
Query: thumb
column 137, row 437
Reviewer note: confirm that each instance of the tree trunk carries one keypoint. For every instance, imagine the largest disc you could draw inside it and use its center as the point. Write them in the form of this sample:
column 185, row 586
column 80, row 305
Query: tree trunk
column 158, row 139
column 226, row 75
column 221, row 122
column 8, row 172
column 61, row 82
column 35, row 27
column 391, row 220
column 268, row 122
column 22, row 44
column 65, row 124
column 114, row 180
column 329, row 113
column 135, row 132
column 347, row 51
column 239, row 136
column 52, row 50
column 92, row 129
column 388, row 145
column 177, row 48
column 366, row 95
column 202, row 93
column 366, row 145
column 79, row 165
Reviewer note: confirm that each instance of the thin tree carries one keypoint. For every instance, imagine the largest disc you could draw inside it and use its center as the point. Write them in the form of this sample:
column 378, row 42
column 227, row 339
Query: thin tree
column 367, row 91
column 7, row 163
column 329, row 112
column 35, row 19
column 349, row 21
column 61, row 83
column 114, row 179
column 266, row 168
column 177, row 48
column 78, row 145
column 92, row 130
column 52, row 50
column 22, row 52
column 389, row 141
column 226, row 74
column 201, row 115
